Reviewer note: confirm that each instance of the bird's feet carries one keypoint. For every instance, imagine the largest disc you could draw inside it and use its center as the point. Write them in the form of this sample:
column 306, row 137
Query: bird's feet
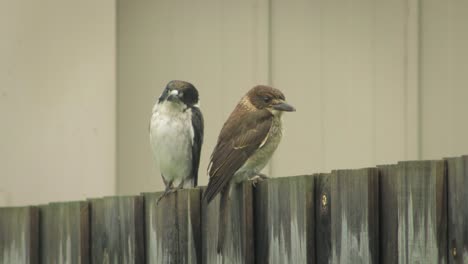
column 163, row 195
column 256, row 179
column 169, row 189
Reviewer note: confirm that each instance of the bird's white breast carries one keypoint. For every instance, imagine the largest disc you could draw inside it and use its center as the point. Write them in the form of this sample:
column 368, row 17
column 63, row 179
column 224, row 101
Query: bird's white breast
column 171, row 137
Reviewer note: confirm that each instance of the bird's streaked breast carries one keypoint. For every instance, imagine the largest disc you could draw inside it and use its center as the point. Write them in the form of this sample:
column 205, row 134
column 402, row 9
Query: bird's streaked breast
column 260, row 158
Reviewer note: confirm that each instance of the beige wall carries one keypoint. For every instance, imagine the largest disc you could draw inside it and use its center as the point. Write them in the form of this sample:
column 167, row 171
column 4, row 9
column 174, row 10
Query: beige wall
column 444, row 78
column 57, row 100
column 343, row 65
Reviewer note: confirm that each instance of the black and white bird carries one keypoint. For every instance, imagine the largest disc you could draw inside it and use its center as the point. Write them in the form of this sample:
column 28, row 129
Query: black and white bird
column 176, row 135
column 245, row 144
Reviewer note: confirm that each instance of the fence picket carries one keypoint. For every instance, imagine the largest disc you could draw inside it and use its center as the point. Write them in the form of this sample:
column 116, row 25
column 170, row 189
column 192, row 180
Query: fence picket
column 64, row 232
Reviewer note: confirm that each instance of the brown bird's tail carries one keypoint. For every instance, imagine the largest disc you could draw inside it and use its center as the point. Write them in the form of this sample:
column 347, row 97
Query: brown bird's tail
column 223, row 218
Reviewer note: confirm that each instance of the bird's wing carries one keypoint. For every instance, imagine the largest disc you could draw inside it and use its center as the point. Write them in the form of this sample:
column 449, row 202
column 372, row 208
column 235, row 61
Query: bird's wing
column 240, row 137
column 198, row 127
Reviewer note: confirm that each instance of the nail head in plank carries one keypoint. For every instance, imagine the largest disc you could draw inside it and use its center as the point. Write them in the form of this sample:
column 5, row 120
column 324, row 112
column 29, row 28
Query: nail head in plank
column 350, row 211
column 457, row 172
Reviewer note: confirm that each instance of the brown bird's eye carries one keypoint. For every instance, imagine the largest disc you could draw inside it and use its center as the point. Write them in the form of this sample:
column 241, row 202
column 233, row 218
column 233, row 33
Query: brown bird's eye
column 266, row 99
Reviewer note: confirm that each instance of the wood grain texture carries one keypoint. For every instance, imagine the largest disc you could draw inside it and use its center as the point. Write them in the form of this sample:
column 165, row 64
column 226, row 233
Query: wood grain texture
column 19, row 235
column 64, row 230
column 117, row 230
column 173, row 227
column 413, row 196
column 285, row 220
column 323, row 218
column 457, row 172
column 239, row 243
column 388, row 217
column 348, row 206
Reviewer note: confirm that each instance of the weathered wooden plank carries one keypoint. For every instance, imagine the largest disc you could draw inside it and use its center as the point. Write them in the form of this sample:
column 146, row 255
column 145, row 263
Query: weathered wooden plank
column 323, row 218
column 457, row 209
column 117, row 230
column 19, row 232
column 413, row 197
column 64, row 230
column 239, row 241
column 388, row 216
column 348, row 206
column 285, row 220
column 173, row 227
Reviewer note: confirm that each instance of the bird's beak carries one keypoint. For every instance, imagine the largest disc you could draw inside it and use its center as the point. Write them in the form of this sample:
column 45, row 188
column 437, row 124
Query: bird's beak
column 173, row 95
column 283, row 106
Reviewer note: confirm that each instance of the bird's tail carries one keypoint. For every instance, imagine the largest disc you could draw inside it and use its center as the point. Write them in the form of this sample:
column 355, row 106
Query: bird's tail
column 223, row 218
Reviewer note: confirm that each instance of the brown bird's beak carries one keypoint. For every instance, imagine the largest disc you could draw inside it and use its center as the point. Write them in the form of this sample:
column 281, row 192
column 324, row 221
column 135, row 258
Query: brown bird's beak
column 283, row 106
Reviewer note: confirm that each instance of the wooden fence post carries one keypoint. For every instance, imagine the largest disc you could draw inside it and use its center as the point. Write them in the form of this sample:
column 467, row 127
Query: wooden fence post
column 414, row 219
column 458, row 210
column 64, row 233
column 239, row 241
column 388, row 216
column 117, row 230
column 173, row 227
column 19, row 235
column 285, row 220
column 347, row 204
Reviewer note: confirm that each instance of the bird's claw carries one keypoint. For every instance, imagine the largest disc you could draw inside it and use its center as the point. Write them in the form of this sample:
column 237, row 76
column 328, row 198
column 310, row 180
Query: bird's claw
column 160, row 197
column 169, row 191
column 256, row 179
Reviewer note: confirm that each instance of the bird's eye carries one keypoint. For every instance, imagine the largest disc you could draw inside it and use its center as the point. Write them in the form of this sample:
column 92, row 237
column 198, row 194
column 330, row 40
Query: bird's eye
column 266, row 99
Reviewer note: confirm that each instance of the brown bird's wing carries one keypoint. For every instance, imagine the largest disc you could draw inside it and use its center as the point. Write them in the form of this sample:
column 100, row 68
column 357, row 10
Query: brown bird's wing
column 243, row 133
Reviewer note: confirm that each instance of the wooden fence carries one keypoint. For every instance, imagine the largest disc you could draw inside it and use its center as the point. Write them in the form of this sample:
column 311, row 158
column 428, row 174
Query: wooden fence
column 410, row 212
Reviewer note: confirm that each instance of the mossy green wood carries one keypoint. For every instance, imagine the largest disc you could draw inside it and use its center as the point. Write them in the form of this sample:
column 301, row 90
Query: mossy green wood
column 173, row 227
column 117, row 230
column 285, row 220
column 457, row 210
column 414, row 212
column 239, row 241
column 19, row 233
column 349, row 209
column 64, row 229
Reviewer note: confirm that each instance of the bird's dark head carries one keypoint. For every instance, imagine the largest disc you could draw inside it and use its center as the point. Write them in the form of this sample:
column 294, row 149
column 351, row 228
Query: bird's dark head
column 269, row 98
column 180, row 92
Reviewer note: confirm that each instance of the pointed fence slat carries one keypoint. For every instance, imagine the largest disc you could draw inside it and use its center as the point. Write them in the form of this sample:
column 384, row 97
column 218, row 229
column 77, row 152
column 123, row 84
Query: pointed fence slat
column 173, row 227
column 414, row 205
column 239, row 241
column 117, row 230
column 348, row 206
column 458, row 210
column 285, row 220
column 19, row 234
column 65, row 233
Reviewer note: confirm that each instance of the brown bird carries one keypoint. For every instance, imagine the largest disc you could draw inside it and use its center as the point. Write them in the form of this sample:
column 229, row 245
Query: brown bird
column 245, row 145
